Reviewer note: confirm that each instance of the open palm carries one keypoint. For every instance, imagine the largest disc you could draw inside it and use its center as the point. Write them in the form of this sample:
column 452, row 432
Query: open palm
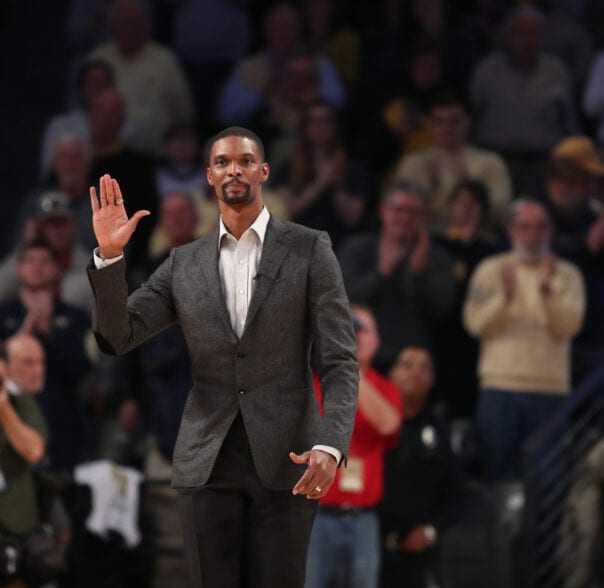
column 111, row 224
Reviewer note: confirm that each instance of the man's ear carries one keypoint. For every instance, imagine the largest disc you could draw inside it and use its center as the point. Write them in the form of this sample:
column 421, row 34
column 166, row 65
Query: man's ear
column 266, row 170
column 209, row 176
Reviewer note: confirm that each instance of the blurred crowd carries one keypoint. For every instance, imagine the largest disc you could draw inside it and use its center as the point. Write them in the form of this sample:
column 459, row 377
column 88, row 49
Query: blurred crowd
column 453, row 152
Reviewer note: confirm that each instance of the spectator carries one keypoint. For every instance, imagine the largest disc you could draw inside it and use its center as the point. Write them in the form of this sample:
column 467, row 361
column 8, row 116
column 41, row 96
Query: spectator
column 269, row 75
column 321, row 185
column 576, row 172
column 456, row 353
column 451, row 159
column 23, row 432
column 148, row 75
column 210, row 37
column 53, row 221
column 462, row 41
column 566, row 39
column 406, row 279
column 64, row 332
column 181, row 167
column 93, row 77
column 523, row 100
column 345, row 542
column 325, row 34
column 69, row 174
column 524, row 306
column 422, row 481
column 112, row 156
column 178, row 224
column 405, row 109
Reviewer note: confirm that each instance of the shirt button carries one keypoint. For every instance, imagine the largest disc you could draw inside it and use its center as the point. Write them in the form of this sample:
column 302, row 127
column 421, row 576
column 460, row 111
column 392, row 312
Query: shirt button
column 241, row 292
column 241, row 356
column 242, row 392
column 242, row 261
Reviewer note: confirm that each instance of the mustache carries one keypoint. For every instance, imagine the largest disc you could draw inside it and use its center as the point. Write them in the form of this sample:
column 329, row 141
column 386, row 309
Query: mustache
column 237, row 182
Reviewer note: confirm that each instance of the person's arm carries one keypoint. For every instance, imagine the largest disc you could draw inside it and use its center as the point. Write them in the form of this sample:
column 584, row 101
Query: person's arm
column 25, row 440
column 564, row 303
column 336, row 366
column 379, row 413
column 486, row 305
column 120, row 322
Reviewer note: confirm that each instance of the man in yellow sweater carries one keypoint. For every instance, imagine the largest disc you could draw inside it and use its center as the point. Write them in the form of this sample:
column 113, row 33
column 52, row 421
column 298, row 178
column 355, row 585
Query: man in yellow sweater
column 524, row 306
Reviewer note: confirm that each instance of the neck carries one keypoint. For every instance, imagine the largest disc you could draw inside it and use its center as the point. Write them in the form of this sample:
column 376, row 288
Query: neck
column 239, row 218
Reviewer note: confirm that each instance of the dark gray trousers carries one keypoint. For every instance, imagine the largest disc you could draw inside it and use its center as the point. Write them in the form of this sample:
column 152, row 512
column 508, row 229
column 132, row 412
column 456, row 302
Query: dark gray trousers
column 239, row 534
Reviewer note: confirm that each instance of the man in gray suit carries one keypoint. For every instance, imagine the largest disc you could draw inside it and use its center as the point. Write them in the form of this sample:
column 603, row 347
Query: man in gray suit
column 253, row 453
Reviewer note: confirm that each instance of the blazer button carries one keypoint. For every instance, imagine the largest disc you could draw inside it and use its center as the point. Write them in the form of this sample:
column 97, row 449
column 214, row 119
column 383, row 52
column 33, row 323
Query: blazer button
column 241, row 356
column 242, row 391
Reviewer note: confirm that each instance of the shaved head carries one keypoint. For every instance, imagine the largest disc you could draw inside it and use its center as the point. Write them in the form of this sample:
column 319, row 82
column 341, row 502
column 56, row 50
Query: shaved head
column 26, row 364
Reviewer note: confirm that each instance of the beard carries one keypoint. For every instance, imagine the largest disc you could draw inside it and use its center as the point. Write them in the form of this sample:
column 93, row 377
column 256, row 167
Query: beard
column 531, row 254
column 238, row 197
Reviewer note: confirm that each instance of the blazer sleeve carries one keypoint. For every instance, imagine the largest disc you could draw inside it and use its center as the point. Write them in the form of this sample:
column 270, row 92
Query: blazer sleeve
column 121, row 322
column 334, row 347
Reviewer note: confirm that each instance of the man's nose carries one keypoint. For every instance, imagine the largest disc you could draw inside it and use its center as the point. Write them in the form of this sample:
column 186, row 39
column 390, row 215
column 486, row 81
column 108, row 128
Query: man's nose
column 234, row 169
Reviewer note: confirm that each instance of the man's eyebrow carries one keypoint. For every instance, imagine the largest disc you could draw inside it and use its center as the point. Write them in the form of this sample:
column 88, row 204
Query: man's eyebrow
column 224, row 156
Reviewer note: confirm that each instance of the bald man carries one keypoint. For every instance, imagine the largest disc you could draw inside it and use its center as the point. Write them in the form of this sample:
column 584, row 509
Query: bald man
column 23, row 432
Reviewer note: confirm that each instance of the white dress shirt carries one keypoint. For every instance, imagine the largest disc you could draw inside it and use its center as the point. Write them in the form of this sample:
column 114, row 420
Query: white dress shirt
column 238, row 262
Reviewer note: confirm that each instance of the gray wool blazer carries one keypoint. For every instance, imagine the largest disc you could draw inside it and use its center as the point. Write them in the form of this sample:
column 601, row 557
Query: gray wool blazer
column 299, row 301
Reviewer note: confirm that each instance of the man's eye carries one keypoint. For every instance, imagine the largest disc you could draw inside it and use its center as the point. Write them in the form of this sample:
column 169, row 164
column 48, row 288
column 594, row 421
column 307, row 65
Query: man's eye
column 247, row 161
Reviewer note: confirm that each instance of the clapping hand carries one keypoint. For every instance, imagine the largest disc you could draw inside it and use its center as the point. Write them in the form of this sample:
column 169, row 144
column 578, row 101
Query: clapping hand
column 111, row 224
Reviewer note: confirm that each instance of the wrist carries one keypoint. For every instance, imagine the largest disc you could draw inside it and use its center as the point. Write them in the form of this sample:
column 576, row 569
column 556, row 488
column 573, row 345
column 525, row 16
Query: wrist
column 108, row 253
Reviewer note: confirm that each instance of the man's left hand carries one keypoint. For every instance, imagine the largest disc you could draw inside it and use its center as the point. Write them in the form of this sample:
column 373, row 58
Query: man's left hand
column 548, row 269
column 319, row 474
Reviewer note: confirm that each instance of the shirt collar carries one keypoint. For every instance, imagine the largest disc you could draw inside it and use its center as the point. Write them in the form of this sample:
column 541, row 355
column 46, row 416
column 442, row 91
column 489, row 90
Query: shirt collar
column 258, row 226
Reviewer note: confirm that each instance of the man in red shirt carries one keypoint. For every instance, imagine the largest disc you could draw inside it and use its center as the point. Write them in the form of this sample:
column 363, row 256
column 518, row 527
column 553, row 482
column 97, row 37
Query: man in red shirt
column 345, row 542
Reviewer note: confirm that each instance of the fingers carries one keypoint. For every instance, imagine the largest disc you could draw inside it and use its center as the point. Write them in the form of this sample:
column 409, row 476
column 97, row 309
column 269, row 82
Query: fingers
column 103, row 189
column 119, row 199
column 109, row 189
column 133, row 221
column 308, row 483
column 93, row 199
column 303, row 458
column 318, row 476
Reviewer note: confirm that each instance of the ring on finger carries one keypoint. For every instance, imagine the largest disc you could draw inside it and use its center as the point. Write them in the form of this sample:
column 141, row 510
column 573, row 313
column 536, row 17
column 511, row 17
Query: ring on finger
column 120, row 201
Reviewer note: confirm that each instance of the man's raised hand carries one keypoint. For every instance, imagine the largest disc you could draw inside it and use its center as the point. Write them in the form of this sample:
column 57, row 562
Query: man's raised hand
column 112, row 227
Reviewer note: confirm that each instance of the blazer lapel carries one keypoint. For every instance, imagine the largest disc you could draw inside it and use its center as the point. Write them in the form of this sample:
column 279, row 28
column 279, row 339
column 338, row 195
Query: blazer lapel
column 207, row 257
column 276, row 245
